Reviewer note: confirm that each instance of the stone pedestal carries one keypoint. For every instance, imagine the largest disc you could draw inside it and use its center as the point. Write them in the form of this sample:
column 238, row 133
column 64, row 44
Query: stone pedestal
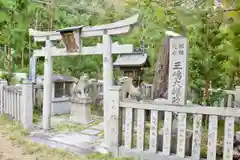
column 80, row 110
column 188, row 144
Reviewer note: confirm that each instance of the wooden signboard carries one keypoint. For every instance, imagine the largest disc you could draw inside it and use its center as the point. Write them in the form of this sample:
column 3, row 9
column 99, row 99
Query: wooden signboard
column 70, row 41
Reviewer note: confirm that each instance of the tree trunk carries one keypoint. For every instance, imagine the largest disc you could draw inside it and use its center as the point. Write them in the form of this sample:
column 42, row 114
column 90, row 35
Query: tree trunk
column 9, row 55
column 52, row 7
column 229, row 86
column 206, row 91
column 160, row 83
column 22, row 59
column 205, row 99
column 231, row 80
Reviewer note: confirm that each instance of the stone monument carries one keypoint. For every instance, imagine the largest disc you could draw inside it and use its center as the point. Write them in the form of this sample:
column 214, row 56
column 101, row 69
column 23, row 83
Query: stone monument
column 80, row 102
column 177, row 96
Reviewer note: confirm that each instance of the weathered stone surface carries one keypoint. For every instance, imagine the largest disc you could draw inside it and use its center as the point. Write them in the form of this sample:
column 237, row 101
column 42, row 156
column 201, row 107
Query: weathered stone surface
column 91, row 132
column 100, row 126
column 59, row 120
column 188, row 145
column 81, row 100
column 76, row 139
column 101, row 148
column 53, row 144
column 80, row 110
column 74, row 142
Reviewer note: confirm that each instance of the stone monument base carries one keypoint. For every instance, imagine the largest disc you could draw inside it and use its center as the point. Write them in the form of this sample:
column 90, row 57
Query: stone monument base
column 188, row 144
column 80, row 110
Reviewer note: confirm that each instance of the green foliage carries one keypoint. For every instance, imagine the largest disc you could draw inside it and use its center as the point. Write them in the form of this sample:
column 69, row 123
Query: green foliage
column 3, row 75
column 213, row 43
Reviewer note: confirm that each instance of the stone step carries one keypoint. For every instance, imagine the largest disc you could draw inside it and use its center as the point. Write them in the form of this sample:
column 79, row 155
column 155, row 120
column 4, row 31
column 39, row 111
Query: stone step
column 91, row 132
column 66, row 147
column 99, row 126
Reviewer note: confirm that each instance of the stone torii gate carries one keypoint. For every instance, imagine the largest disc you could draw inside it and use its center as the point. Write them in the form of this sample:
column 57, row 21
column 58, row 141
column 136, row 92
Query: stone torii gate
column 106, row 49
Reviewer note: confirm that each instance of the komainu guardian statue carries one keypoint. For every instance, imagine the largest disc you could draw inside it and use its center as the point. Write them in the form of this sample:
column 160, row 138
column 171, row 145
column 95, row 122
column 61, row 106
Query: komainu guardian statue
column 81, row 87
column 128, row 88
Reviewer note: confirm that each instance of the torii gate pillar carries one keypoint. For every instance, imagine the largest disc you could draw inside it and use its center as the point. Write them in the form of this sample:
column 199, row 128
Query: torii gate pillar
column 47, row 83
column 107, row 78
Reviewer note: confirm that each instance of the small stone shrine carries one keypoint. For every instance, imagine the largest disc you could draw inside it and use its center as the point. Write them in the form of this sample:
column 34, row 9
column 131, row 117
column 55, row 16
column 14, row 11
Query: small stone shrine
column 80, row 102
column 62, row 86
column 133, row 64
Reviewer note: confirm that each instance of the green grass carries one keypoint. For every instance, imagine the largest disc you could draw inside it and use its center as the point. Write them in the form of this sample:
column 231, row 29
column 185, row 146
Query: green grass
column 73, row 127
column 97, row 110
column 101, row 134
column 63, row 115
column 68, row 127
column 14, row 132
column 36, row 117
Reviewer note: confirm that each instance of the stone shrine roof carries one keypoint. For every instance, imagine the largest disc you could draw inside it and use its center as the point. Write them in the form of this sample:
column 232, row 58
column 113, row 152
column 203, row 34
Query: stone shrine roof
column 134, row 59
column 59, row 78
